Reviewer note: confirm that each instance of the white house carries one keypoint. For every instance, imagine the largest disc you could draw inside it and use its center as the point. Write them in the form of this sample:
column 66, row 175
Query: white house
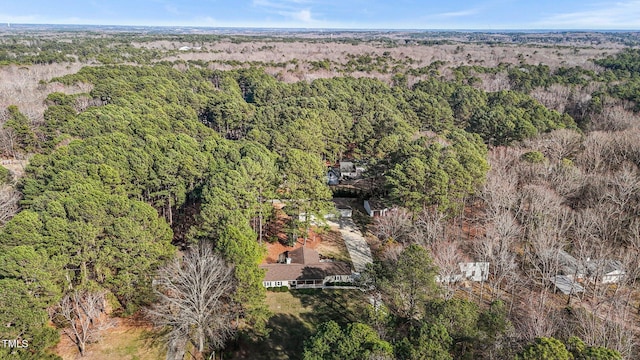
column 343, row 207
column 375, row 208
column 473, row 271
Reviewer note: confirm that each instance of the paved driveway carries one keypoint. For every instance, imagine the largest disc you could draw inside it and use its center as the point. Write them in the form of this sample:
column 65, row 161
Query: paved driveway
column 357, row 246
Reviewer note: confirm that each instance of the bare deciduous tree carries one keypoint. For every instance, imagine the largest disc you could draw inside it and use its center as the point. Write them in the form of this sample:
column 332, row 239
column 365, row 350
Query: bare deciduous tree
column 557, row 145
column 567, row 180
column 555, row 97
column 429, row 227
column 610, row 330
column 195, row 302
column 534, row 319
column 496, row 248
column 447, row 256
column 395, row 225
column 83, row 317
column 9, row 198
column 593, row 156
column 626, row 185
column 500, row 190
column 614, row 117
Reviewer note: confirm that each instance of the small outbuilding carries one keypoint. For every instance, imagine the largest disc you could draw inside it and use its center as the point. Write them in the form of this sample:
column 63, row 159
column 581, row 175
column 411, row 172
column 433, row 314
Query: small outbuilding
column 472, row 271
column 375, row 208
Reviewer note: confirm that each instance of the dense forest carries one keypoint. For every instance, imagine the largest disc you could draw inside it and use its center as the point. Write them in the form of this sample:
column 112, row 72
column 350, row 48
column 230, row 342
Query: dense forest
column 155, row 174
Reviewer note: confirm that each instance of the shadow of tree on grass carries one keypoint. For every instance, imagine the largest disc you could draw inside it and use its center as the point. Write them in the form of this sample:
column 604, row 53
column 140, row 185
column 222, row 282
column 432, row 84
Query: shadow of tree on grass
column 285, row 341
column 341, row 306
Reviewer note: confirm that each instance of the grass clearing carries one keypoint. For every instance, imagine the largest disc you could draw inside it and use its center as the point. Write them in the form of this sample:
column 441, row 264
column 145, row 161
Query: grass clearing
column 123, row 342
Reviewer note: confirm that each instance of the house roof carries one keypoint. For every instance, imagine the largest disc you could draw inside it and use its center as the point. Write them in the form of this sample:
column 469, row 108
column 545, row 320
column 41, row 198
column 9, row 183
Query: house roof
column 284, row 272
column 566, row 285
column 482, row 266
column 571, row 266
column 342, row 203
column 347, row 166
column 613, row 266
column 305, row 265
column 304, row 255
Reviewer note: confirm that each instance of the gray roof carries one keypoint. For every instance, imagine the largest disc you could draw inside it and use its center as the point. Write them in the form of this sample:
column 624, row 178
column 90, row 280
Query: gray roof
column 347, row 166
column 572, row 267
column 566, row 285
column 342, row 203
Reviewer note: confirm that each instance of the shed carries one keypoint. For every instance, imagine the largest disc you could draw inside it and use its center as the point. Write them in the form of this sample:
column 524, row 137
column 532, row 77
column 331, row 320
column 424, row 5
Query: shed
column 475, row 271
column 343, row 206
column 375, row 207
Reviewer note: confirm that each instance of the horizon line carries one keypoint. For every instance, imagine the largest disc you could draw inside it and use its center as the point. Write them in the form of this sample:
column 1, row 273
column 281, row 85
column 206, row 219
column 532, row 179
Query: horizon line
column 271, row 28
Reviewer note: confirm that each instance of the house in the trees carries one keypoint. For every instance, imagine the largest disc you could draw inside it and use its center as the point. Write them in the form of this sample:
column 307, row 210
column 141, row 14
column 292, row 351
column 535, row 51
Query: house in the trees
column 472, row 271
column 600, row 271
column 333, row 176
column 569, row 266
column 349, row 170
column 606, row 271
column 303, row 268
column 343, row 207
column 475, row 271
column 375, row 207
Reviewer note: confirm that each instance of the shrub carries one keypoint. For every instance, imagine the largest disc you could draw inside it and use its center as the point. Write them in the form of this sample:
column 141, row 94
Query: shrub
column 309, row 291
column 278, row 289
column 533, row 157
column 5, row 175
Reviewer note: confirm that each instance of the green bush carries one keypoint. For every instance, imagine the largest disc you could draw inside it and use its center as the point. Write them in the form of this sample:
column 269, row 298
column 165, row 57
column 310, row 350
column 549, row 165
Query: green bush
column 533, row 157
column 339, row 283
column 278, row 289
column 309, row 291
column 5, row 175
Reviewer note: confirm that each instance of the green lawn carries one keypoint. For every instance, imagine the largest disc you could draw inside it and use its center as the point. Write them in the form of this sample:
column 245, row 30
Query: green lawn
column 295, row 318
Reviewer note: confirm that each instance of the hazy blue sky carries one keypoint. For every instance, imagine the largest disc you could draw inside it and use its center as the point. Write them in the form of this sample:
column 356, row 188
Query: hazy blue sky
column 398, row 14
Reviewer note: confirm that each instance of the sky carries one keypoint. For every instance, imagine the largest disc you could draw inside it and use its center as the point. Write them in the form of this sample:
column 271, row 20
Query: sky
column 347, row 14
